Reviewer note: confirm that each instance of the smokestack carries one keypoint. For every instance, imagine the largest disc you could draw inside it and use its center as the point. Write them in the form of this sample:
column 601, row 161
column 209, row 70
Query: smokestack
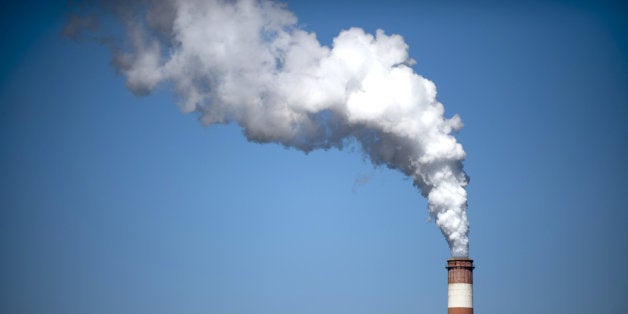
column 460, row 285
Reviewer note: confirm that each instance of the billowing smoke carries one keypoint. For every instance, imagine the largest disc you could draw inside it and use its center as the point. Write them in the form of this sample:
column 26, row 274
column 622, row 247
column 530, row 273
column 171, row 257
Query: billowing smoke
column 248, row 62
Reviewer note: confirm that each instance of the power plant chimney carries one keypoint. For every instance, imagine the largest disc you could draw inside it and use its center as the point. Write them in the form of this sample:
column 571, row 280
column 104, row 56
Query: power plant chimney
column 460, row 285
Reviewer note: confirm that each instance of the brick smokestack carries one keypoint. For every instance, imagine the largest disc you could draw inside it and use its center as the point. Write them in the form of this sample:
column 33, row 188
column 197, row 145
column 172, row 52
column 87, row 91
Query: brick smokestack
column 460, row 286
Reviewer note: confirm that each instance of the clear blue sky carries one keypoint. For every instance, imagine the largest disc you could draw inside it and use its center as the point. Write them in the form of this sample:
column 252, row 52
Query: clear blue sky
column 112, row 203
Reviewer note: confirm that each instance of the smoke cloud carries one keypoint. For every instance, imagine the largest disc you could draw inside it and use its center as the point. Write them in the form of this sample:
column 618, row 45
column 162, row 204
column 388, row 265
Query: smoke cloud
column 248, row 62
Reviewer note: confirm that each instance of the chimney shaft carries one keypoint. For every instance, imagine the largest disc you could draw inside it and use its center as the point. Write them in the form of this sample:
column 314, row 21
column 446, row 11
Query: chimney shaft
column 460, row 286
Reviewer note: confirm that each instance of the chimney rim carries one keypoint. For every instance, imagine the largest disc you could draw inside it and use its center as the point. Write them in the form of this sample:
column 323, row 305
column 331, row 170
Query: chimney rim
column 460, row 259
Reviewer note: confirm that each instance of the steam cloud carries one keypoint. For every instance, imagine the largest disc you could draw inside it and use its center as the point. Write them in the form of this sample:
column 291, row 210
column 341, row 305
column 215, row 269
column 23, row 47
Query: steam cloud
column 248, row 62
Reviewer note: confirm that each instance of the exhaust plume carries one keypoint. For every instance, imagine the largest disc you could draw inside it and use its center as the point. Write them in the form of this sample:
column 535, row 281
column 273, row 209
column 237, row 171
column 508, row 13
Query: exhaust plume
column 248, row 62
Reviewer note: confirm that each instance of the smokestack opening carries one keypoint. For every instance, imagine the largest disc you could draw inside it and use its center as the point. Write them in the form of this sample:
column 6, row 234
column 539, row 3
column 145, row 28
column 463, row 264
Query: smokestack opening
column 460, row 285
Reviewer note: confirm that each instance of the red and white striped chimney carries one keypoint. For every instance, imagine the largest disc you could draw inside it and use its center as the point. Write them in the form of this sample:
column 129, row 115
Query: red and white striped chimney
column 460, row 286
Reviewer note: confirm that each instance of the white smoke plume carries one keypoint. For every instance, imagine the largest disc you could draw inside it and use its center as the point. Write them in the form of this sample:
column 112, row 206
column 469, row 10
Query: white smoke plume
column 248, row 62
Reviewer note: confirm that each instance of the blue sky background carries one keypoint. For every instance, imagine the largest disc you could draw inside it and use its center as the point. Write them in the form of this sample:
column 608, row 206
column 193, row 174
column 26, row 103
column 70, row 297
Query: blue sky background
column 112, row 203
